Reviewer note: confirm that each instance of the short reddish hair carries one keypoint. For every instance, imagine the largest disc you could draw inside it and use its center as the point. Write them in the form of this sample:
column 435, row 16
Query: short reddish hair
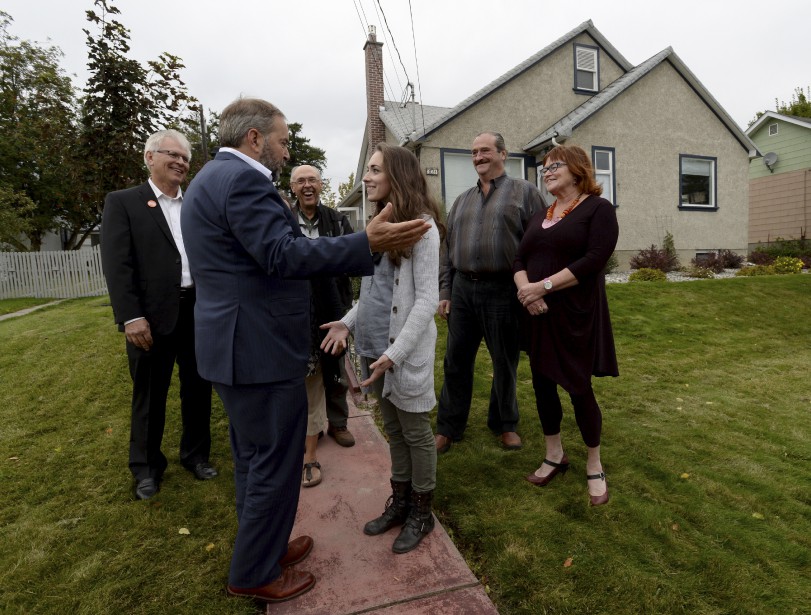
column 579, row 165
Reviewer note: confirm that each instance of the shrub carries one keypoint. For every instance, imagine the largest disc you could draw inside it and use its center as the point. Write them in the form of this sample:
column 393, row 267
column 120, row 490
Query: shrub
column 647, row 274
column 696, row 271
column 759, row 257
column 611, row 264
column 730, row 259
column 655, row 258
column 710, row 261
column 806, row 261
column 755, row 270
column 788, row 264
column 786, row 247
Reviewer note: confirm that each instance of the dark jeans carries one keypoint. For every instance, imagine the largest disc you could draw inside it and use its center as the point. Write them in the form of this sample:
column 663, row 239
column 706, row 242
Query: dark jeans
column 586, row 411
column 480, row 309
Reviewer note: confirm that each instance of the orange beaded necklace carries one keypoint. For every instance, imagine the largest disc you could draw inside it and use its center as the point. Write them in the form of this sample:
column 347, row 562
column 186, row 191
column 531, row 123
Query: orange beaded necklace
column 551, row 211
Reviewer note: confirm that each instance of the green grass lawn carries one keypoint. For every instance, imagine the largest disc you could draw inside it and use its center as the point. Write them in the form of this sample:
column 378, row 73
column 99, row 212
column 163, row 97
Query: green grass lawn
column 706, row 444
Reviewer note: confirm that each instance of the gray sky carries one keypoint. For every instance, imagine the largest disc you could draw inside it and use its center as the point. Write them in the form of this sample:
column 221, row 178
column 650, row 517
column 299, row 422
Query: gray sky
column 306, row 55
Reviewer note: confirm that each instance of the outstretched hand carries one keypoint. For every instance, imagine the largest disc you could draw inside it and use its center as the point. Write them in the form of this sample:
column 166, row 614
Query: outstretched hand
column 385, row 236
column 334, row 341
column 379, row 369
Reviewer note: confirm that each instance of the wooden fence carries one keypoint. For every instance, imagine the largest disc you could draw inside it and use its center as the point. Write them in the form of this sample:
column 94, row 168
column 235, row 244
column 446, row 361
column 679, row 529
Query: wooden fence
column 60, row 275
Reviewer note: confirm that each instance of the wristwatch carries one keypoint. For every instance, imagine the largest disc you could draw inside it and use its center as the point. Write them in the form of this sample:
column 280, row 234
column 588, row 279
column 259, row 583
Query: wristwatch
column 547, row 284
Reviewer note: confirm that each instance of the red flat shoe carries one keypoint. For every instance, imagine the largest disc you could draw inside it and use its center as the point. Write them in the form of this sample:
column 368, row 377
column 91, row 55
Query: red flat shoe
column 558, row 468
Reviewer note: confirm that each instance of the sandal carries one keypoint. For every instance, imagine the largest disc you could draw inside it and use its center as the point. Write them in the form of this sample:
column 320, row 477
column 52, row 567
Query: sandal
column 598, row 500
column 311, row 474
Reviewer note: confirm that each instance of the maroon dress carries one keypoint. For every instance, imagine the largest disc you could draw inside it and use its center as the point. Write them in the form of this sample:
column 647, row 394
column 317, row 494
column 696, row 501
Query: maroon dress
column 573, row 340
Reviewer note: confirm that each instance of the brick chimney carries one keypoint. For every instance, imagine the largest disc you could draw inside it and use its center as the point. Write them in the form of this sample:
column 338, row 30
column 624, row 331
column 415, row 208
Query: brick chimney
column 374, row 89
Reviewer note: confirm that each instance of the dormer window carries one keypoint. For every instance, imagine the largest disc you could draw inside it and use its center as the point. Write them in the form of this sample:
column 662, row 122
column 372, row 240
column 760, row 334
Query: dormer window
column 586, row 69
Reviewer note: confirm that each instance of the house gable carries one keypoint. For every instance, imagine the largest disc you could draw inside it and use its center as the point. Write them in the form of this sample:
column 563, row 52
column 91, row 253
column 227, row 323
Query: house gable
column 786, row 136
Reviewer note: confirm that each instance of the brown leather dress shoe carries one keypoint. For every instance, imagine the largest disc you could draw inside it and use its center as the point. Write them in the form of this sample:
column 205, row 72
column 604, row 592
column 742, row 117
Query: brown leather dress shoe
column 290, row 584
column 511, row 440
column 443, row 443
column 297, row 550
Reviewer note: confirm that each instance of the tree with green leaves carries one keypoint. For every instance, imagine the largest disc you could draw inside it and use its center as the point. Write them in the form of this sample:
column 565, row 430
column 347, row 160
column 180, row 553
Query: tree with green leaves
column 301, row 152
column 38, row 134
column 798, row 106
column 124, row 103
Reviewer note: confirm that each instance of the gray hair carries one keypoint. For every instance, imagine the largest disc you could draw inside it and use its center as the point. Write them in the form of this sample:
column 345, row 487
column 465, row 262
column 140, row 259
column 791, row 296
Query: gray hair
column 298, row 166
column 153, row 143
column 500, row 145
column 242, row 115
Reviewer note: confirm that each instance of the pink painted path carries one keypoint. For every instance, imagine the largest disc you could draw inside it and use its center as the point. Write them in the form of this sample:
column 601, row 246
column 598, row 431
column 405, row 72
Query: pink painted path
column 360, row 574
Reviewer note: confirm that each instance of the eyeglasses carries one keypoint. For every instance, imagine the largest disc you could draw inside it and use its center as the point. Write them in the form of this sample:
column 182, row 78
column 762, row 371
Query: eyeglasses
column 174, row 155
column 552, row 167
column 303, row 181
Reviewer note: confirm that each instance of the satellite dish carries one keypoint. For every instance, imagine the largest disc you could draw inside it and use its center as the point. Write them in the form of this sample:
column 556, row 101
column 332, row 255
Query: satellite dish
column 770, row 160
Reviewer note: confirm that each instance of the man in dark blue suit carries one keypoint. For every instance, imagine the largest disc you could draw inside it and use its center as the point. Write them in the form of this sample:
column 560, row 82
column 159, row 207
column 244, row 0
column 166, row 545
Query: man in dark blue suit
column 250, row 263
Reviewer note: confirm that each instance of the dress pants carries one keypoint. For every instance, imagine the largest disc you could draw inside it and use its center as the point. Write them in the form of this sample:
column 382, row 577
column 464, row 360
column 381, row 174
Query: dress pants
column 151, row 372
column 267, row 427
column 486, row 309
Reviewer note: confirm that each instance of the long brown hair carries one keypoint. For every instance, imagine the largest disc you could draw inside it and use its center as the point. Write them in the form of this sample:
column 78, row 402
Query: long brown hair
column 579, row 165
column 409, row 193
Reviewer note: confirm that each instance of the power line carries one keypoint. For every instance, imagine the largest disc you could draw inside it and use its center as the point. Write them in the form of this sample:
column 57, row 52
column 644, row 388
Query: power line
column 419, row 85
column 382, row 17
column 385, row 21
column 363, row 26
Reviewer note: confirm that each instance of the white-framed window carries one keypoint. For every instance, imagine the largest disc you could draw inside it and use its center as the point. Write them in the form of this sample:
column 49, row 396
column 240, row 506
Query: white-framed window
column 586, row 68
column 773, row 129
column 697, row 182
column 458, row 173
column 602, row 158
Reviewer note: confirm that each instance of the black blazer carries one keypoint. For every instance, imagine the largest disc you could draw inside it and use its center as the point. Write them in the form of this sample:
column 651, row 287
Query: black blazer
column 140, row 259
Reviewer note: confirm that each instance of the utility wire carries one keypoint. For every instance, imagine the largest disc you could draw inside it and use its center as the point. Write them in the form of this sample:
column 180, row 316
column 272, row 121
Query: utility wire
column 385, row 21
column 382, row 18
column 363, row 26
column 419, row 84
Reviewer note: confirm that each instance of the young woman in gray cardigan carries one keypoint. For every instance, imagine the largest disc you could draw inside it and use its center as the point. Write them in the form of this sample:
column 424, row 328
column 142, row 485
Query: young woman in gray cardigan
column 395, row 336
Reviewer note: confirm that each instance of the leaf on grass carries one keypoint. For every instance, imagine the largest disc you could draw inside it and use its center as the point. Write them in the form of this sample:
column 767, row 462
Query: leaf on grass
column 209, row 546
column 758, row 515
column 568, row 562
column 678, row 407
column 675, row 527
column 58, row 449
column 109, row 431
column 184, row 531
column 685, row 475
column 13, row 458
column 679, row 399
column 709, row 403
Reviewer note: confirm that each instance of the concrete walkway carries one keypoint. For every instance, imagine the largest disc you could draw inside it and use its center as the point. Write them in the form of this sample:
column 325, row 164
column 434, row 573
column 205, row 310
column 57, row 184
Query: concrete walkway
column 29, row 310
column 360, row 574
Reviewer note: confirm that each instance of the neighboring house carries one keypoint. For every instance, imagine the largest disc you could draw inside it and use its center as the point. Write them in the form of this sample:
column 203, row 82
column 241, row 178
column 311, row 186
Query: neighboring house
column 668, row 156
column 780, row 181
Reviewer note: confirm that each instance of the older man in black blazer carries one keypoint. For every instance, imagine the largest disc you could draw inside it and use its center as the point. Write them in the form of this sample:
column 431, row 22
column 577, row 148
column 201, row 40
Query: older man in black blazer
column 250, row 262
column 153, row 295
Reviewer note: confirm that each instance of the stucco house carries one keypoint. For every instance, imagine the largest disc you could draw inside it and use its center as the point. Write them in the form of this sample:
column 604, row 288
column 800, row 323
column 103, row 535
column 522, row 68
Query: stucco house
column 780, row 180
column 667, row 154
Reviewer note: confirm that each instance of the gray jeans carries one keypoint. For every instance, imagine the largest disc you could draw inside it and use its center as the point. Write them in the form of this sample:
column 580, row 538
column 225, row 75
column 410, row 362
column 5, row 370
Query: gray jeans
column 411, row 441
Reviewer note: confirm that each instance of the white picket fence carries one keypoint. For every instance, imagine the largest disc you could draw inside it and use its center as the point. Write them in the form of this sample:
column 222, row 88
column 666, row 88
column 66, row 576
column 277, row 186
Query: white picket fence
column 60, row 275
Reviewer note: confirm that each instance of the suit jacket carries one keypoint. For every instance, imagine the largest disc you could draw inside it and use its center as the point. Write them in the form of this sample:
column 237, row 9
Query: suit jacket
column 250, row 265
column 140, row 259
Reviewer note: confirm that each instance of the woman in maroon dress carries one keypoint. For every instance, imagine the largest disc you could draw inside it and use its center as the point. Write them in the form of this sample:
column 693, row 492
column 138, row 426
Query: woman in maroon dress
column 559, row 275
